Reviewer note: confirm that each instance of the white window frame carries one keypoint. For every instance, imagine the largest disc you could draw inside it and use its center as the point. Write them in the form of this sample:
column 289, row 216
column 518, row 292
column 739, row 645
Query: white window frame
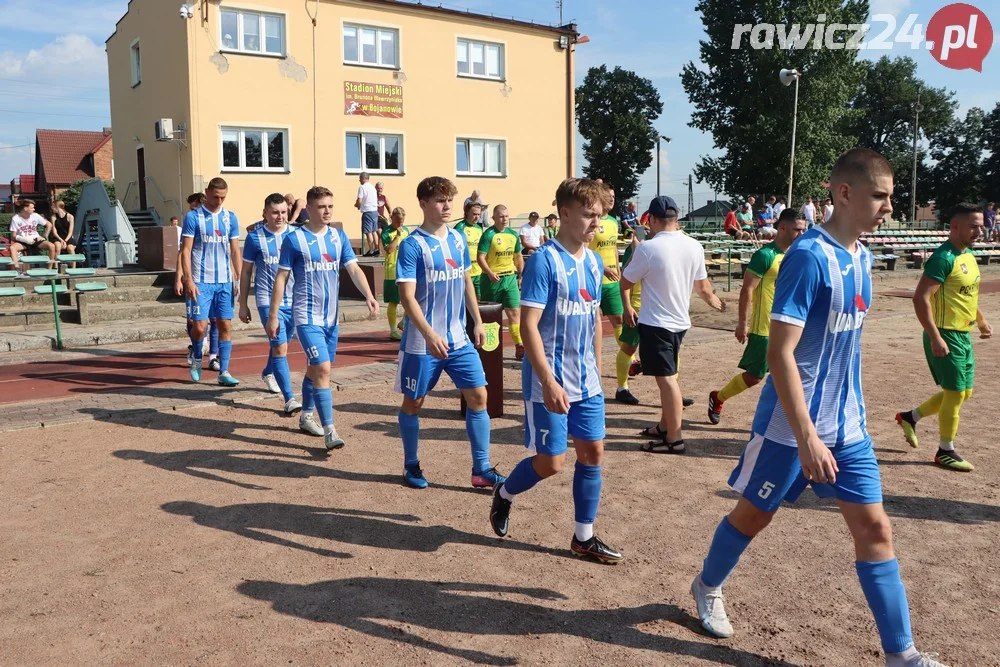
column 468, row 43
column 241, row 15
column 378, row 45
column 502, row 157
column 382, row 135
column 135, row 62
column 241, row 130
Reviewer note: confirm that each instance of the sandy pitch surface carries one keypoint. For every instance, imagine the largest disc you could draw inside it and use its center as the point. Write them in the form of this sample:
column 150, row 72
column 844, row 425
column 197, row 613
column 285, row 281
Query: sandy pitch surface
column 223, row 536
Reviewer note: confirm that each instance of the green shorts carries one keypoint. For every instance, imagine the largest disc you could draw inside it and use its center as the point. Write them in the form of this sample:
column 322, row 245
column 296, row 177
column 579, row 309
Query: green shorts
column 957, row 371
column 505, row 291
column 476, row 285
column 630, row 336
column 611, row 299
column 754, row 359
column 390, row 291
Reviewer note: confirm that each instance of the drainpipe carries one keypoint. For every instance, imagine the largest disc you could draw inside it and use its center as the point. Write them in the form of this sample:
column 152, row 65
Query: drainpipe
column 570, row 105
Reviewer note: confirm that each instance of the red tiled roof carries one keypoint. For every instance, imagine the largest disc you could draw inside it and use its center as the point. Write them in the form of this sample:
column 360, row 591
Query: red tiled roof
column 27, row 182
column 63, row 154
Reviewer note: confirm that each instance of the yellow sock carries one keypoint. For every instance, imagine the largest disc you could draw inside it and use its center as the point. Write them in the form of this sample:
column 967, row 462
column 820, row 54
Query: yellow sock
column 515, row 333
column 931, row 406
column 390, row 312
column 948, row 417
column 622, row 362
column 618, row 333
column 735, row 387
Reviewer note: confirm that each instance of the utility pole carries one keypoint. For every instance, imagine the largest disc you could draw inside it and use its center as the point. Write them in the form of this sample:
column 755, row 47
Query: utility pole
column 690, row 193
column 659, row 138
column 913, row 188
column 559, row 5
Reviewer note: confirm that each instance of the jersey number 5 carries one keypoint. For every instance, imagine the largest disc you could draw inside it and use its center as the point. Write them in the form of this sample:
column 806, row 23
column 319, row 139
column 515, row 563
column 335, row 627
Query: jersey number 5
column 765, row 490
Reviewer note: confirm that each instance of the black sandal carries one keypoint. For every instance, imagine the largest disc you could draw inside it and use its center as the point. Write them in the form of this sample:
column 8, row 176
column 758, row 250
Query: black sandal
column 653, row 432
column 663, row 447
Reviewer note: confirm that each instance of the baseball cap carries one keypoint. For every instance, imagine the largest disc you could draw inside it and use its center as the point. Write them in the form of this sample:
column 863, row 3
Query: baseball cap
column 658, row 207
column 551, row 216
column 533, row 214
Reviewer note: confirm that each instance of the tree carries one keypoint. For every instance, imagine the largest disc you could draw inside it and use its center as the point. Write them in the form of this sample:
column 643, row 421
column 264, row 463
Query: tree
column 615, row 112
column 885, row 115
column 991, row 170
column 739, row 100
column 959, row 152
column 71, row 197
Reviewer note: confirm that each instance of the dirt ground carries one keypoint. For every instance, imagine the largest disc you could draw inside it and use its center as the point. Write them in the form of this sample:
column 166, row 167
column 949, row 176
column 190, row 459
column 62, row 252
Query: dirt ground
column 223, row 536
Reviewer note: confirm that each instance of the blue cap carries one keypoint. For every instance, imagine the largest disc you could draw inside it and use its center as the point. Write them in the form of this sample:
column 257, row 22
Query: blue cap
column 658, row 207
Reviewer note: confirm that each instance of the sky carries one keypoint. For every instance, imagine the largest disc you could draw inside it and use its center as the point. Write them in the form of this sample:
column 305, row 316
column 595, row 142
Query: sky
column 53, row 68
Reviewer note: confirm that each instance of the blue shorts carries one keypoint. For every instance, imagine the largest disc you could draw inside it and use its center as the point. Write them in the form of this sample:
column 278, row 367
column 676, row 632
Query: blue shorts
column 769, row 473
column 369, row 222
column 417, row 374
column 548, row 433
column 319, row 343
column 215, row 302
column 286, row 328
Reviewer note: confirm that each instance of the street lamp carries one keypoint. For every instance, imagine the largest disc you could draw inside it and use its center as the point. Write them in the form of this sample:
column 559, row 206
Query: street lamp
column 917, row 108
column 787, row 76
column 658, row 138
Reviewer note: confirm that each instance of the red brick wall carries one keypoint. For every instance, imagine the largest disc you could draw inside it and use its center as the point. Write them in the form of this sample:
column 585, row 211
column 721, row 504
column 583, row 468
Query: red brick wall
column 102, row 161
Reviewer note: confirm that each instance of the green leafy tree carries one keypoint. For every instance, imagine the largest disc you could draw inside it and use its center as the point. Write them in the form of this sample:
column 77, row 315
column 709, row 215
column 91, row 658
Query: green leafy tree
column 991, row 170
column 959, row 152
column 615, row 111
column 71, row 197
column 739, row 100
column 884, row 120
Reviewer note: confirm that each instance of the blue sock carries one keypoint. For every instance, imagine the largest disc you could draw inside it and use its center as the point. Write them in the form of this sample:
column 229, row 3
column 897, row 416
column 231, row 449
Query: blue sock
column 308, row 396
column 324, row 405
column 586, row 492
column 409, row 426
column 522, row 478
column 477, row 426
column 269, row 366
column 279, row 366
column 213, row 340
column 727, row 547
column 197, row 348
column 886, row 597
column 189, row 328
column 225, row 351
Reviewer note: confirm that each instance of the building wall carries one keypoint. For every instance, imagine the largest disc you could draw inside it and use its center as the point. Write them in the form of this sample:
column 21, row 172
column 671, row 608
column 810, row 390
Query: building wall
column 530, row 111
column 103, row 159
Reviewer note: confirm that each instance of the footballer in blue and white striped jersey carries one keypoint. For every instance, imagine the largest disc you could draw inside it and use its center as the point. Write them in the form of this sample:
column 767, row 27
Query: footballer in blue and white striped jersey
column 827, row 291
column 568, row 291
column 441, row 265
column 263, row 248
column 315, row 260
column 212, row 232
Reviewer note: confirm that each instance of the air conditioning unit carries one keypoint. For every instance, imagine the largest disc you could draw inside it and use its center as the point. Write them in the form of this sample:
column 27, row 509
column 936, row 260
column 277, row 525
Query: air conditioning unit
column 164, row 129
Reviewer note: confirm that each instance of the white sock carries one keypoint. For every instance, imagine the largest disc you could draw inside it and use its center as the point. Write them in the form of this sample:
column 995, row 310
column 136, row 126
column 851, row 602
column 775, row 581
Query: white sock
column 908, row 657
column 584, row 531
column 915, row 415
column 506, row 495
column 947, row 445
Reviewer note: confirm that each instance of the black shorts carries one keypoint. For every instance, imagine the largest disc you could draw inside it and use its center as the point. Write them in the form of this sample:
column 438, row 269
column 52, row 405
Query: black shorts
column 732, row 232
column 659, row 350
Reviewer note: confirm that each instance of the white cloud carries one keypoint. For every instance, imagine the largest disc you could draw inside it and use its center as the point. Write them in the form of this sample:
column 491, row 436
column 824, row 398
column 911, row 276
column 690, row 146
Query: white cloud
column 14, row 161
column 94, row 18
column 72, row 57
column 894, row 7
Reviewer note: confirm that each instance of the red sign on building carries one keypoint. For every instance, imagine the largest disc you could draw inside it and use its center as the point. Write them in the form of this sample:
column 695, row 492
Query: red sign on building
column 373, row 99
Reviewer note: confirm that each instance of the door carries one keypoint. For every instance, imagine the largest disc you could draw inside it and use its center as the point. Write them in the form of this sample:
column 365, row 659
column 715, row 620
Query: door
column 140, row 156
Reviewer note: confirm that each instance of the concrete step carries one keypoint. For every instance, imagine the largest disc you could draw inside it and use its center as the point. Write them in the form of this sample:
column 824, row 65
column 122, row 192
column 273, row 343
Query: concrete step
column 101, row 313
column 35, row 315
column 128, row 295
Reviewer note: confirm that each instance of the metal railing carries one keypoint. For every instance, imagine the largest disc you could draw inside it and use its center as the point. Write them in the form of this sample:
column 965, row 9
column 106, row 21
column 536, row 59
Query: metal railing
column 165, row 200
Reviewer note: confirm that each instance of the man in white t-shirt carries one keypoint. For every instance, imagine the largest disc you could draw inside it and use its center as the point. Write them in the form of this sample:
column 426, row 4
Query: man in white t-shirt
column 669, row 266
column 809, row 213
column 828, row 210
column 532, row 235
column 24, row 233
column 367, row 203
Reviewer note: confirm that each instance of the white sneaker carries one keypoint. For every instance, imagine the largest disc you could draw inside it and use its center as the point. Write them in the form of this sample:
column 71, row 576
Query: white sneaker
column 332, row 440
column 190, row 358
column 711, row 609
column 928, row 660
column 307, row 423
column 271, row 383
column 292, row 406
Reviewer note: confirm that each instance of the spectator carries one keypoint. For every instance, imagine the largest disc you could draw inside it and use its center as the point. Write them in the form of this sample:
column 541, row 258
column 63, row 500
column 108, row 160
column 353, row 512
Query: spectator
column 384, row 208
column 551, row 226
column 297, row 211
column 227, row 41
column 367, row 203
column 24, row 230
column 61, row 233
column 777, row 208
column 474, row 198
column 828, row 210
column 989, row 220
column 532, row 235
column 765, row 221
column 733, row 227
column 809, row 213
column 629, row 217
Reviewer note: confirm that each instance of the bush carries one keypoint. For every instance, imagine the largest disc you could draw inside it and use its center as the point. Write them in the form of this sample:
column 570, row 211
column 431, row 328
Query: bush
column 72, row 196
column 5, row 223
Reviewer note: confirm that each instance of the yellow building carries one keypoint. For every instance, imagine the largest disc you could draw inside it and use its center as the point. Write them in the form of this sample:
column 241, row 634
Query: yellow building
column 261, row 94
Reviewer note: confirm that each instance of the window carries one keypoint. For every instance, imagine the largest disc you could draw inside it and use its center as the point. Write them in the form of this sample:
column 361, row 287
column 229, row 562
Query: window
column 246, row 149
column 368, row 45
column 374, row 153
column 486, row 157
column 136, row 59
column 480, row 59
column 252, row 32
